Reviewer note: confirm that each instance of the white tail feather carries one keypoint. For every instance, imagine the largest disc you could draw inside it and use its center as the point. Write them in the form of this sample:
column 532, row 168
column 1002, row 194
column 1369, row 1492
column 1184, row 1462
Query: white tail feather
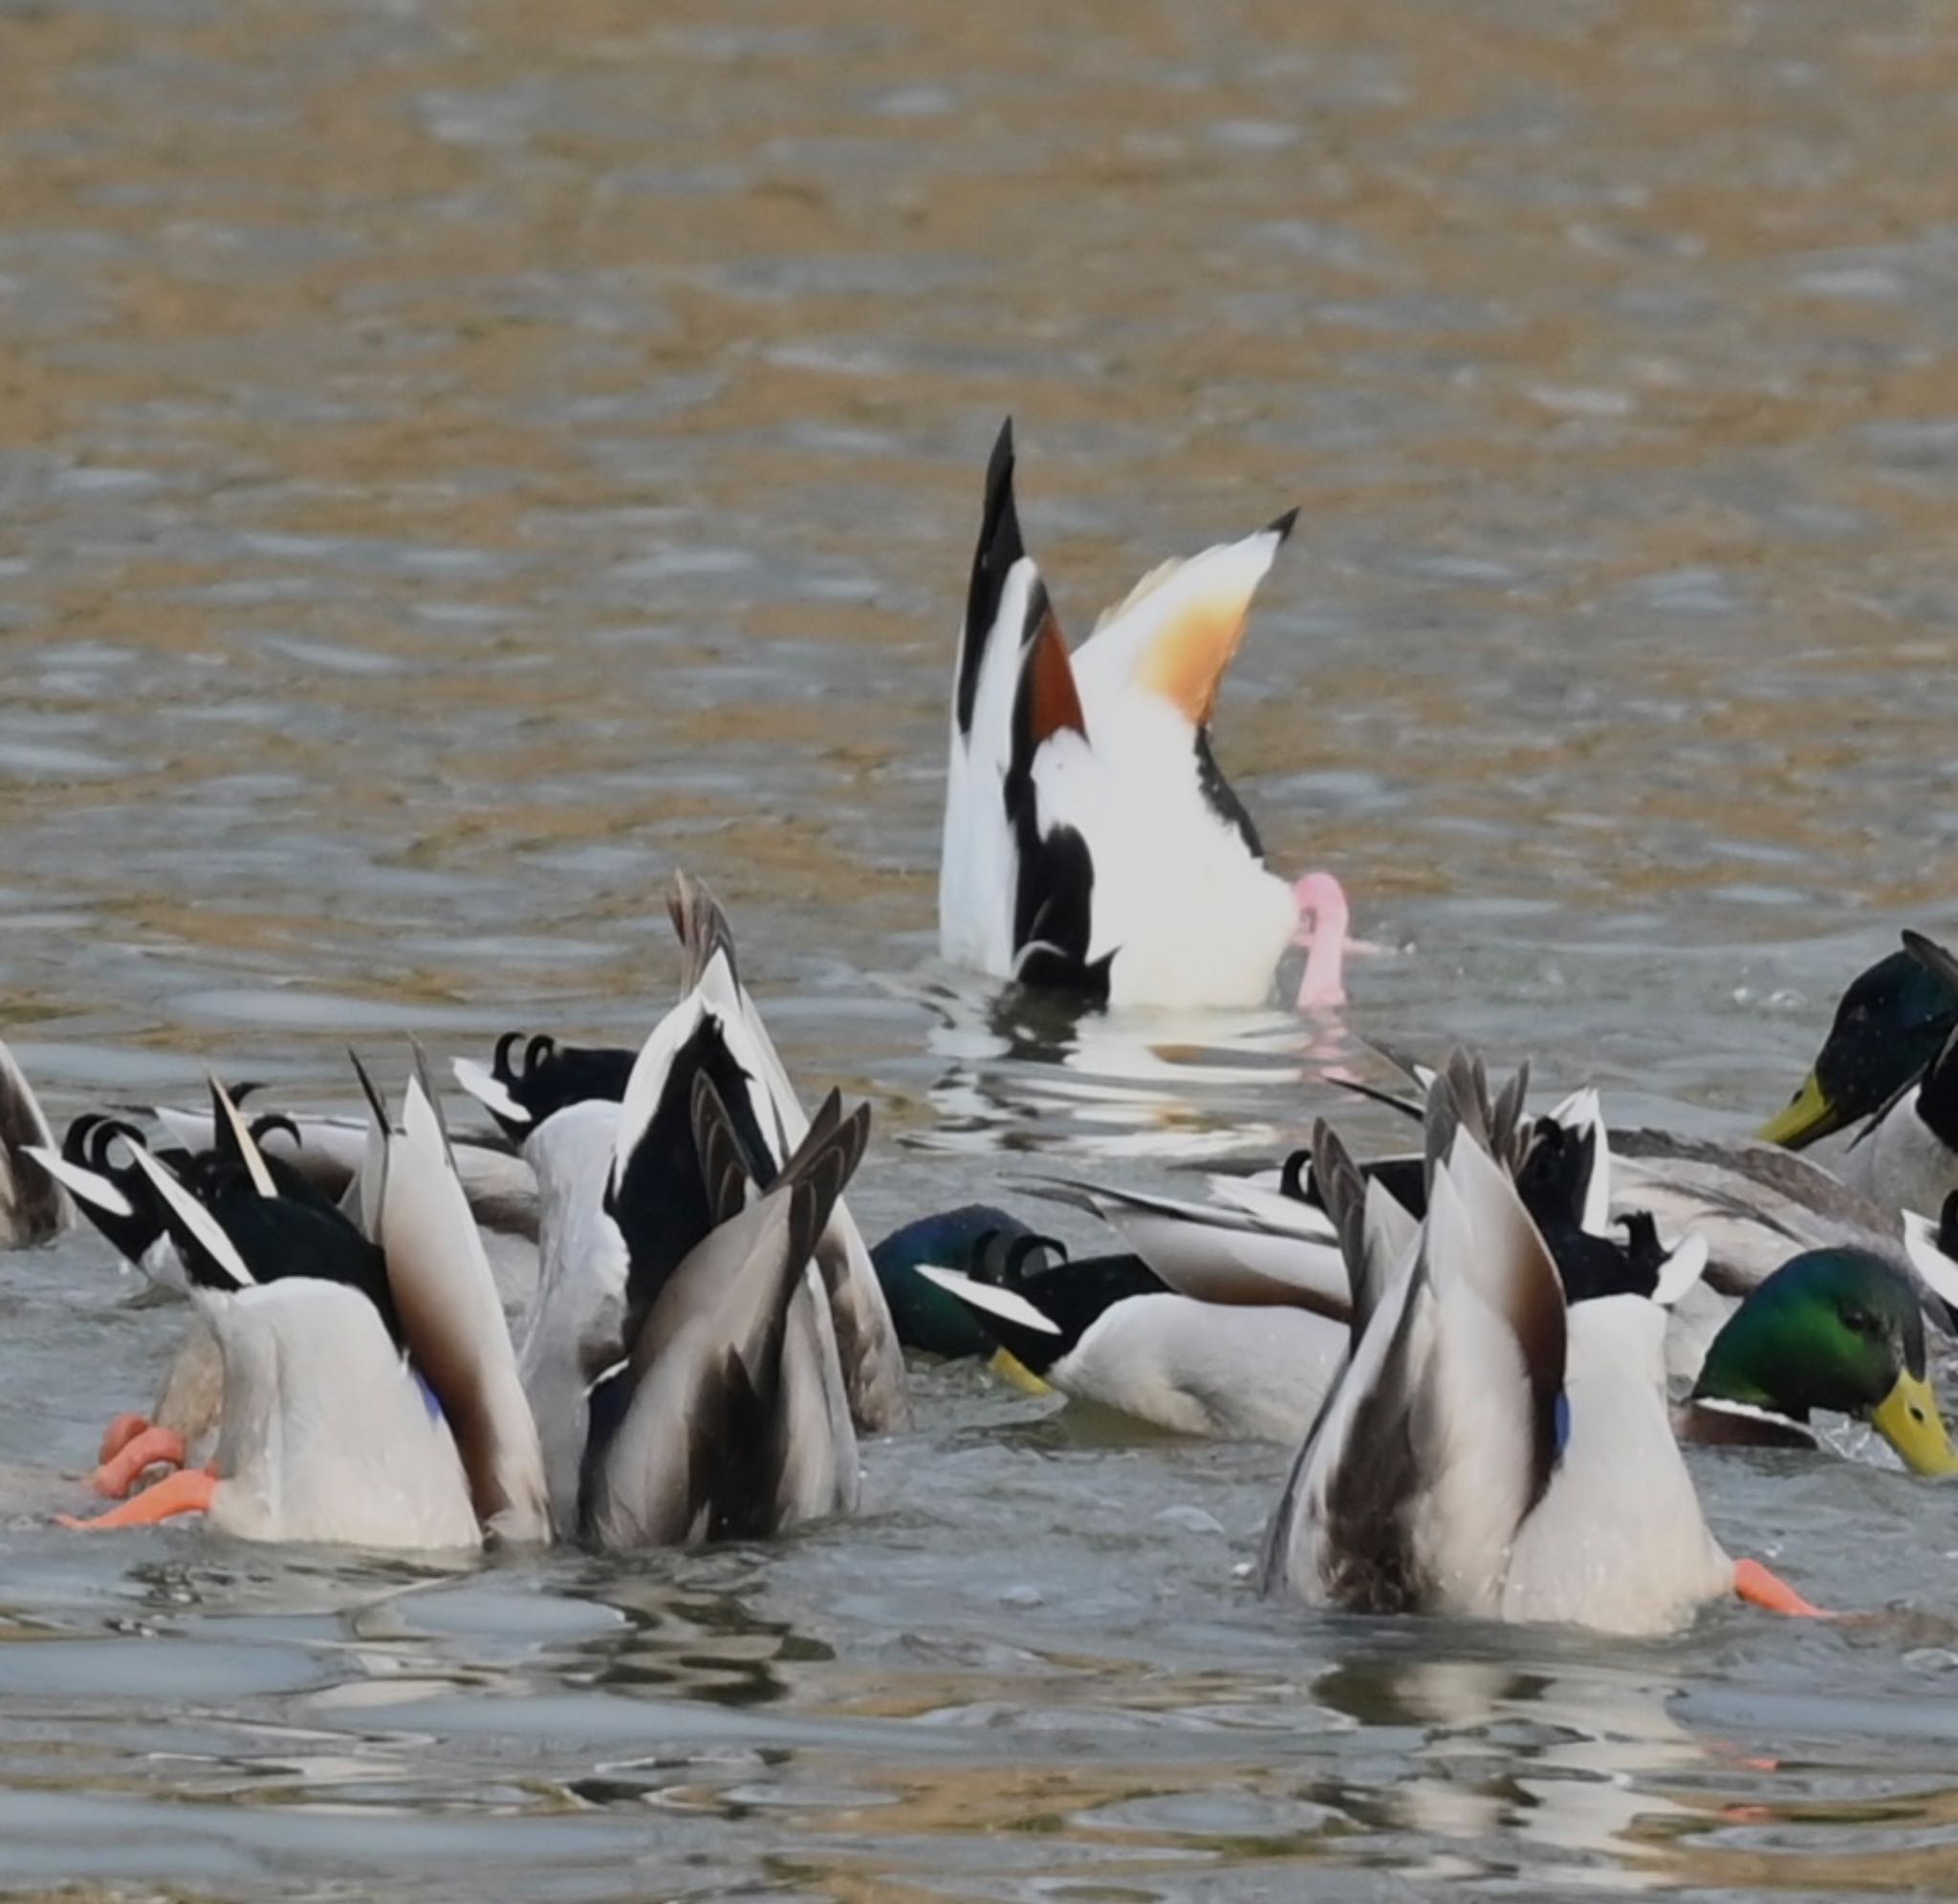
column 487, row 1089
column 196, row 1219
column 988, row 1299
column 85, row 1186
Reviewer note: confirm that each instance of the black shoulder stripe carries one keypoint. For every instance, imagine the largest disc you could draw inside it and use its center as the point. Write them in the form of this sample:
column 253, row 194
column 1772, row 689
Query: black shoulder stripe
column 1221, row 797
column 998, row 549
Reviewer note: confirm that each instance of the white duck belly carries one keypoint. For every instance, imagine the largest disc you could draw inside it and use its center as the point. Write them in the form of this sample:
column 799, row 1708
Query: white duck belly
column 1191, row 915
column 1618, row 1543
column 1236, row 1373
column 327, row 1436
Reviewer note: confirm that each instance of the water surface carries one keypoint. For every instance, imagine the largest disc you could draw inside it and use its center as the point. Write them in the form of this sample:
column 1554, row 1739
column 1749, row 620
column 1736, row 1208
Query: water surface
column 459, row 461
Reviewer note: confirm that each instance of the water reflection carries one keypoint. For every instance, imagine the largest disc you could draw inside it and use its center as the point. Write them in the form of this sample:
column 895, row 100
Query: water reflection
column 1558, row 1769
column 460, row 459
column 1020, row 1072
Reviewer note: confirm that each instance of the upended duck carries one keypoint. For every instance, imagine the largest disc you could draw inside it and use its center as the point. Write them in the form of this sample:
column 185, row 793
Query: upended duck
column 370, row 1393
column 34, row 1208
column 630, row 1193
column 533, row 1087
column 1489, row 1451
column 1092, row 844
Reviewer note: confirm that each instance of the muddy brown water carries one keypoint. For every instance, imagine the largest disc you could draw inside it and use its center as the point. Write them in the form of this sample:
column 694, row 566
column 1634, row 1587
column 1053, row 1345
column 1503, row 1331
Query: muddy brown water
column 459, row 461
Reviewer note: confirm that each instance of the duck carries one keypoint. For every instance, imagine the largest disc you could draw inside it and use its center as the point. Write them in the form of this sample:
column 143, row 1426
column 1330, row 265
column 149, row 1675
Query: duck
column 928, row 1318
column 96, row 1168
column 1894, row 1019
column 1839, row 1329
column 527, row 1093
column 34, row 1208
column 370, row 1391
column 1906, row 1154
column 726, row 1414
column 1489, row 1450
column 1109, row 1331
column 1092, row 844
column 329, row 1150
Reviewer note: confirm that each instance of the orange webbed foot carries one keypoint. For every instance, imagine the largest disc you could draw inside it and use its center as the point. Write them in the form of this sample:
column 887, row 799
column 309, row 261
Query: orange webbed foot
column 153, row 1447
column 120, row 1433
column 189, row 1491
column 1761, row 1586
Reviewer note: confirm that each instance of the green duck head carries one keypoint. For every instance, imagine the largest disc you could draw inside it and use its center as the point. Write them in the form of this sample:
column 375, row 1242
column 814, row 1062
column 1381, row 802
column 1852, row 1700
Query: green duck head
column 1890, row 1025
column 926, row 1316
column 1839, row 1329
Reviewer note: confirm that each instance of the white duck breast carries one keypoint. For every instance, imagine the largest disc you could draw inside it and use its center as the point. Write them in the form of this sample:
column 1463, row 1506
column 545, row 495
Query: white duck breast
column 327, row 1436
column 577, row 1321
column 1910, row 1160
column 1197, row 1368
column 33, row 1206
column 1618, row 1543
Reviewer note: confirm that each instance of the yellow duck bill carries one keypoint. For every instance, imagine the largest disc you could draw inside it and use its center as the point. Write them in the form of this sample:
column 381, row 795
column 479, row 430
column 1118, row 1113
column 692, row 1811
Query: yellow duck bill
column 1808, row 1117
column 1908, row 1418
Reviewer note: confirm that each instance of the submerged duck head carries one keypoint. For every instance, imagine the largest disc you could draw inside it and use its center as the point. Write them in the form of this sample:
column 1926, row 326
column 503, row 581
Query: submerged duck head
column 927, row 1317
column 1890, row 1026
column 1839, row 1329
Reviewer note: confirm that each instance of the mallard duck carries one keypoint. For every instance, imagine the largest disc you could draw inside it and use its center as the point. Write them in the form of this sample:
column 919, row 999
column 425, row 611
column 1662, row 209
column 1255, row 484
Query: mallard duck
column 728, row 1416
column 370, row 1391
column 1092, row 843
column 1487, row 1450
column 928, row 1318
column 526, row 1095
column 328, row 1152
column 1834, row 1330
column 34, row 1208
column 97, row 1165
column 1893, row 1020
column 1906, row 1155
column 1110, row 1332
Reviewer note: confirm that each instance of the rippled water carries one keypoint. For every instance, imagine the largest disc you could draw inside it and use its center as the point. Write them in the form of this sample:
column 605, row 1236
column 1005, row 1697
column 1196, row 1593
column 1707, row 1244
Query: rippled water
column 459, row 461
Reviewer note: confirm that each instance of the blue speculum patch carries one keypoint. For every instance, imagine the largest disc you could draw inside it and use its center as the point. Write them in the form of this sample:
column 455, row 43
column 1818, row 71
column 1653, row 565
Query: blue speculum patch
column 1563, row 1419
column 433, row 1404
